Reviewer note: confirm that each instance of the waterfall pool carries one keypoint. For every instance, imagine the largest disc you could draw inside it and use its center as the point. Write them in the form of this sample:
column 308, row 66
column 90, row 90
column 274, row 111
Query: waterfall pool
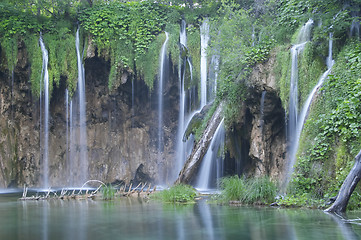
column 131, row 218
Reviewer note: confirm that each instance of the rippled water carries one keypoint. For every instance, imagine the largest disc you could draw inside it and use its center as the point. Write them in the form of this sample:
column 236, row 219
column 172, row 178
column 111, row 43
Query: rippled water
column 135, row 219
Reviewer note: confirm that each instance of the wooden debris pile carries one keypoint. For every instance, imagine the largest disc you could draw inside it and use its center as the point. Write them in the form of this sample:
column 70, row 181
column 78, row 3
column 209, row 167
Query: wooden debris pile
column 141, row 191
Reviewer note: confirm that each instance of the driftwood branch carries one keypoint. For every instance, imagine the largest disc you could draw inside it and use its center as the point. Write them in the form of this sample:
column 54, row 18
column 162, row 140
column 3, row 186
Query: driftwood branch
column 194, row 160
column 347, row 188
column 66, row 194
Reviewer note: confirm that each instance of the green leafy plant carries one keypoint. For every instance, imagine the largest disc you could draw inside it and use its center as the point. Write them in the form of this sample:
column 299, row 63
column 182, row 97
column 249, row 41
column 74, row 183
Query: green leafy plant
column 108, row 192
column 179, row 193
column 251, row 191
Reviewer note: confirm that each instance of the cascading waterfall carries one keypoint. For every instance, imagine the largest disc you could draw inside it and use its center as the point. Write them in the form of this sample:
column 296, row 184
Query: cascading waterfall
column 253, row 36
column 180, row 158
column 211, row 167
column 303, row 37
column 303, row 115
column 132, row 110
column 83, row 159
column 45, row 142
column 204, row 45
column 162, row 62
column 72, row 142
column 67, row 127
column 355, row 26
column 213, row 76
column 329, row 60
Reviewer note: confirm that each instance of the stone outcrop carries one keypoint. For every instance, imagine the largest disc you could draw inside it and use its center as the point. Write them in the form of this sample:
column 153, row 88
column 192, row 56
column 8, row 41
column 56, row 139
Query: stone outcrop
column 263, row 124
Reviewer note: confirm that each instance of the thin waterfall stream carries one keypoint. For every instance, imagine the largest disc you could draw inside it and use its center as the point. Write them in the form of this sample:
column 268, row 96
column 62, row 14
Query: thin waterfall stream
column 83, row 159
column 204, row 45
column 162, row 62
column 303, row 114
column 45, row 142
column 211, row 168
column 181, row 146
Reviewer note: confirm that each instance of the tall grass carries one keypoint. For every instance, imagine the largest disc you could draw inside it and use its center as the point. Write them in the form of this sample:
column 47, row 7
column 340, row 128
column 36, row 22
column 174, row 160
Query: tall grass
column 178, row 193
column 251, row 191
column 233, row 188
column 108, row 192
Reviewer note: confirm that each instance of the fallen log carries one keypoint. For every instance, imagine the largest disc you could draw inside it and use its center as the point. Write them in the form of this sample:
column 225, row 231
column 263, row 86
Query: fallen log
column 199, row 150
column 347, row 188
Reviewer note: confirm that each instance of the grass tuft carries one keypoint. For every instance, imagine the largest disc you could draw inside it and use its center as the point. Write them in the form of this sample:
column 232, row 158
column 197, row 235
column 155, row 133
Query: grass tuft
column 179, row 193
column 251, row 191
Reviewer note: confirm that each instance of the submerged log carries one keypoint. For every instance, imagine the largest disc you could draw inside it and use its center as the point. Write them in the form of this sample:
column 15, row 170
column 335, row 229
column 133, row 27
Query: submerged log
column 348, row 186
column 199, row 150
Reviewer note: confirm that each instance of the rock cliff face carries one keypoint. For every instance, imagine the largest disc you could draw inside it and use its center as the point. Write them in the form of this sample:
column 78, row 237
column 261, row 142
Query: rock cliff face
column 258, row 142
column 122, row 142
column 122, row 130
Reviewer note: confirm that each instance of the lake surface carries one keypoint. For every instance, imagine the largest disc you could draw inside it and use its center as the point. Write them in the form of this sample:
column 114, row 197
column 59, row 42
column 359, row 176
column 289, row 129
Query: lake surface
column 136, row 219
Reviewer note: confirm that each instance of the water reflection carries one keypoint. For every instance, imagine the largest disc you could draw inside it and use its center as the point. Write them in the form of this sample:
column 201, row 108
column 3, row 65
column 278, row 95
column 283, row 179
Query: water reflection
column 134, row 219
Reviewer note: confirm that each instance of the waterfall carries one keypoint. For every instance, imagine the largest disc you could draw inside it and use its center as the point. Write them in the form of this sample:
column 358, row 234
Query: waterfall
column 45, row 140
column 132, row 110
column 305, row 33
column 72, row 143
column 212, row 164
column 303, row 37
column 329, row 60
column 253, row 36
column 180, row 158
column 204, row 45
column 303, row 115
column 67, row 128
column 162, row 62
column 293, row 100
column 12, row 96
column 213, row 76
column 83, row 159
column 355, row 26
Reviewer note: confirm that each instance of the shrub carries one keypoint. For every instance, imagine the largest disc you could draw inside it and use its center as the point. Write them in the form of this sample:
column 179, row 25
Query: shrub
column 260, row 190
column 252, row 191
column 179, row 193
column 108, row 192
column 233, row 188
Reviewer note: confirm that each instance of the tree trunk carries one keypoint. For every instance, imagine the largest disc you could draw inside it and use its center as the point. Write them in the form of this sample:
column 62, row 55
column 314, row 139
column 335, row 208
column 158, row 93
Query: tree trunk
column 348, row 186
column 199, row 150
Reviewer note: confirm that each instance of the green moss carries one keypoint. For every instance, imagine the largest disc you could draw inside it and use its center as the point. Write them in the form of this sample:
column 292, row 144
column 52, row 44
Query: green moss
column 283, row 73
column 148, row 66
column 199, row 126
column 311, row 67
column 194, row 52
column 173, row 42
column 36, row 63
column 10, row 46
column 330, row 138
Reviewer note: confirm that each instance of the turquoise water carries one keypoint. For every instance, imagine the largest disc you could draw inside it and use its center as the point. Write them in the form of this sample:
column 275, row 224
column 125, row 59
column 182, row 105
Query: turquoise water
column 136, row 219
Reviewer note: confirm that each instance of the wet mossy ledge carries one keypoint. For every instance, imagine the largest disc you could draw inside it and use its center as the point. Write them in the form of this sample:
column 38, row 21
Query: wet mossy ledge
column 128, row 35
